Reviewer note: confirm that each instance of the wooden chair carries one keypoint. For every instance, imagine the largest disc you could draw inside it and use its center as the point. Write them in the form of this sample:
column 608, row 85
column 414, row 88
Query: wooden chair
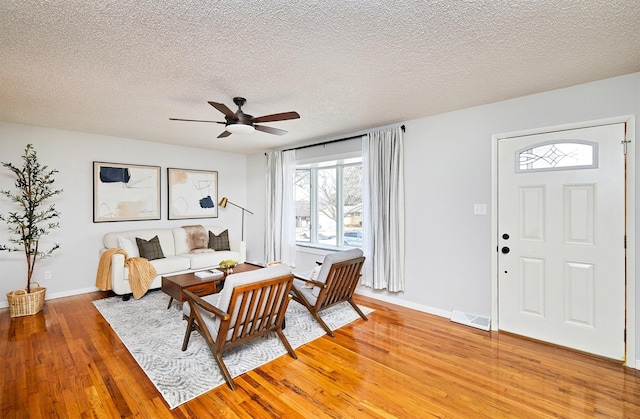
column 336, row 282
column 250, row 305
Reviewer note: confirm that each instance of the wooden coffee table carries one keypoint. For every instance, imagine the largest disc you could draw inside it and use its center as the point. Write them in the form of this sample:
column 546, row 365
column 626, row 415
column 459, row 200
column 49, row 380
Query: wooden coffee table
column 175, row 285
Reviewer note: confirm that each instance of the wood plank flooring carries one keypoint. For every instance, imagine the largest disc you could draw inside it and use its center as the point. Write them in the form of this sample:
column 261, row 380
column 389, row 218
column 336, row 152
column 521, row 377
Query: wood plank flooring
column 67, row 363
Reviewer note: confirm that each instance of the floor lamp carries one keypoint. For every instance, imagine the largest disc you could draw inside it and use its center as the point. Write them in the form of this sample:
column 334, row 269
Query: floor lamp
column 223, row 204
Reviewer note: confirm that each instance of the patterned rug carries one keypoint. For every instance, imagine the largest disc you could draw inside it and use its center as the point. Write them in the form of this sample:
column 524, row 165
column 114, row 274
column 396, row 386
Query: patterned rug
column 154, row 337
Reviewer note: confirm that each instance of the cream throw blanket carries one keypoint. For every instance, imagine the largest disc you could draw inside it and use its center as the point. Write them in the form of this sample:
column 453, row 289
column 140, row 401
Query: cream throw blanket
column 141, row 272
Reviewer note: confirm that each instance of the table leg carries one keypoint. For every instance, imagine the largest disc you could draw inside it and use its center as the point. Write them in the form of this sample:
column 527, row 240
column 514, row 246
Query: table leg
column 170, row 301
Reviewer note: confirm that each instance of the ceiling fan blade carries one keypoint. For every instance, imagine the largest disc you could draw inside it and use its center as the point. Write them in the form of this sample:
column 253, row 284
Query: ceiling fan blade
column 277, row 117
column 196, row 120
column 224, row 134
column 270, row 130
column 223, row 108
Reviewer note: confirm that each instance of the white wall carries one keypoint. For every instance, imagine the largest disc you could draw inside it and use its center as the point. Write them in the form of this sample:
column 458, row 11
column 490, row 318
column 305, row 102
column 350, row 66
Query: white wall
column 74, row 265
column 448, row 170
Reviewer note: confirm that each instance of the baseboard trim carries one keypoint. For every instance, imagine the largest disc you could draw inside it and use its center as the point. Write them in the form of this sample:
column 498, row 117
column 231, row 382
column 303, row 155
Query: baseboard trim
column 403, row 303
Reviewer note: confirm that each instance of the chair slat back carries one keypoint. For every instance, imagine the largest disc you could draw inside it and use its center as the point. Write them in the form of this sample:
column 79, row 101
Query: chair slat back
column 255, row 308
column 341, row 282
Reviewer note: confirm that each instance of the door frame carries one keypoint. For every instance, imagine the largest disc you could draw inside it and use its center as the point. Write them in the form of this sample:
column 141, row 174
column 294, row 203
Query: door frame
column 630, row 227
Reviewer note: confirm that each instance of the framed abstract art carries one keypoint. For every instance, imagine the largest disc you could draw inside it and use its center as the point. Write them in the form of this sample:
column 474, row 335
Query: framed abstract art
column 192, row 193
column 125, row 192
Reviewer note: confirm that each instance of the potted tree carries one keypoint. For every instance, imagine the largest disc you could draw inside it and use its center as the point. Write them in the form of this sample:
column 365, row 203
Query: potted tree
column 34, row 219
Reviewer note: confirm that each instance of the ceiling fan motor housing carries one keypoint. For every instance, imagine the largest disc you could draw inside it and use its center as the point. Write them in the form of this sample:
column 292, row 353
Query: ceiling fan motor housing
column 240, row 118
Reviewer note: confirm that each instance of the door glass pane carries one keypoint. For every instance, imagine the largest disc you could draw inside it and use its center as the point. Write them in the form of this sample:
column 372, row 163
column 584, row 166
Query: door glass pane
column 557, row 156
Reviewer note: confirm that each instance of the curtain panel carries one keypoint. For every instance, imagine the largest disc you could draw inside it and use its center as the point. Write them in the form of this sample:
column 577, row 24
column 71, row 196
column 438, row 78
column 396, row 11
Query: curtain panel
column 280, row 232
column 383, row 215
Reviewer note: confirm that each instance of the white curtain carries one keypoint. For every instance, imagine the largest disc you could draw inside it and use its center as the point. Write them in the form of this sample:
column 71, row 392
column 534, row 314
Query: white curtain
column 383, row 215
column 280, row 231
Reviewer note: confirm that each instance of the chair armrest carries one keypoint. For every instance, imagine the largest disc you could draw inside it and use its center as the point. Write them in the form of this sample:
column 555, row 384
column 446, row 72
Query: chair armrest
column 205, row 305
column 312, row 281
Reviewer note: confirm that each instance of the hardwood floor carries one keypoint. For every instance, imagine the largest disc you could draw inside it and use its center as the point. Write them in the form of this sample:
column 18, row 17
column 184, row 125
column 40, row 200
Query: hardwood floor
column 66, row 362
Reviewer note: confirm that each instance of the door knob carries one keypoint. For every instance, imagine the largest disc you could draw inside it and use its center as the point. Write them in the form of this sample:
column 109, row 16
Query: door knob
column 505, row 250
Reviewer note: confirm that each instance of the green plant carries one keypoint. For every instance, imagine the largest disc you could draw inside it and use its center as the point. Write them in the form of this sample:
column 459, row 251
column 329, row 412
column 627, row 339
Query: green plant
column 34, row 220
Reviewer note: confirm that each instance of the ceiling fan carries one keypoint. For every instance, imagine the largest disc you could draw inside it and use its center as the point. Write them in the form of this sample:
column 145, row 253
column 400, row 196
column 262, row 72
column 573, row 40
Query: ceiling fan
column 242, row 123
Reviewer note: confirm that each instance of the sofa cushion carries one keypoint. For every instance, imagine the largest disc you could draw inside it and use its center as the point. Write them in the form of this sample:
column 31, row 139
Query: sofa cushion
column 197, row 251
column 219, row 241
column 129, row 245
column 150, row 249
column 170, row 264
column 207, row 260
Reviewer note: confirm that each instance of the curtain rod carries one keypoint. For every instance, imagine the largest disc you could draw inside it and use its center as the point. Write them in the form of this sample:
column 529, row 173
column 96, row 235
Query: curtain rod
column 332, row 141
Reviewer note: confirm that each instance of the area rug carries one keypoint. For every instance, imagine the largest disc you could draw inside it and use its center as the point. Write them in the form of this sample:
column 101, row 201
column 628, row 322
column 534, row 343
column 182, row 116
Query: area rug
column 153, row 334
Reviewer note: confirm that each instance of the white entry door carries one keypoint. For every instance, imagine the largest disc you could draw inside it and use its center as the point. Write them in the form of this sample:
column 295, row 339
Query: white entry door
column 561, row 244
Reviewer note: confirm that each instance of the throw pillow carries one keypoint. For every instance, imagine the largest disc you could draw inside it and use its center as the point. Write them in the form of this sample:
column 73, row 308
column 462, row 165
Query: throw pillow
column 150, row 249
column 128, row 244
column 219, row 242
column 197, row 237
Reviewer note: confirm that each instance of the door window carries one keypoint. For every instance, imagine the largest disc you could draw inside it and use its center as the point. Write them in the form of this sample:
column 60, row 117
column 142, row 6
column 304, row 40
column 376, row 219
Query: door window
column 558, row 155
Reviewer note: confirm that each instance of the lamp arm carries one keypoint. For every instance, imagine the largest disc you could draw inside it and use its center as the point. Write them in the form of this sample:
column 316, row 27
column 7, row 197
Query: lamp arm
column 243, row 209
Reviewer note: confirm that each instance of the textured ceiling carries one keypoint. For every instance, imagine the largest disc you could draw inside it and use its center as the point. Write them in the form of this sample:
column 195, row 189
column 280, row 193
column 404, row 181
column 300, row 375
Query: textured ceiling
column 122, row 68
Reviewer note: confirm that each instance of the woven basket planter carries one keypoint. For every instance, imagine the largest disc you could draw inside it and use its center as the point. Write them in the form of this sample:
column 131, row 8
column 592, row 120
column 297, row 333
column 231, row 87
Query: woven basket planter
column 22, row 303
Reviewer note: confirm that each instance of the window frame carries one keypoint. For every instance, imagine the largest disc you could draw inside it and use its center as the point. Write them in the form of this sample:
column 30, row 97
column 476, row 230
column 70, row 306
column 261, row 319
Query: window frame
column 339, row 164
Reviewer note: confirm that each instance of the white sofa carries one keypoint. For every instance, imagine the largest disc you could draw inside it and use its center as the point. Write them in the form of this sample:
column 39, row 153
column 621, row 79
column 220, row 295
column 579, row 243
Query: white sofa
column 177, row 260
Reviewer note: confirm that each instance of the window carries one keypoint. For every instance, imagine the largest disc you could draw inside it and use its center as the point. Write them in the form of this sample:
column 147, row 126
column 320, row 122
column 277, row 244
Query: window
column 329, row 203
column 559, row 155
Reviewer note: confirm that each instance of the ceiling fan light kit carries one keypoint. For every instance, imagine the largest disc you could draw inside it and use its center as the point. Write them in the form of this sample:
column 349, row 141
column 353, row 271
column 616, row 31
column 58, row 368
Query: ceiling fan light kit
column 238, row 128
column 241, row 123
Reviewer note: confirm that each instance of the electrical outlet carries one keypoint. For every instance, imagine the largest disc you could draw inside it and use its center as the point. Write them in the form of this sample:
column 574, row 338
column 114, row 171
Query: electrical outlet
column 47, row 275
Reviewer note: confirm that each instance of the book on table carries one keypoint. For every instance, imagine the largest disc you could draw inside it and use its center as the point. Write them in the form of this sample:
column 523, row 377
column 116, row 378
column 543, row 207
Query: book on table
column 208, row 274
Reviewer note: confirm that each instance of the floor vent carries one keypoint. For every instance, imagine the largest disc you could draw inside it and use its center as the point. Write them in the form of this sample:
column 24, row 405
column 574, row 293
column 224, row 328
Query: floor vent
column 472, row 320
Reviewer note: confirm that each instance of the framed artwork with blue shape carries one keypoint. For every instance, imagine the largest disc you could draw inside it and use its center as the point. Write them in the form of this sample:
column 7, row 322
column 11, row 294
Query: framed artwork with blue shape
column 192, row 193
column 125, row 192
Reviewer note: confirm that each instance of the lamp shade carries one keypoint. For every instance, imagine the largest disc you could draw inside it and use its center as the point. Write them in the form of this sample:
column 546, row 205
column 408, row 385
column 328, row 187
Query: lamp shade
column 223, row 202
column 240, row 128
